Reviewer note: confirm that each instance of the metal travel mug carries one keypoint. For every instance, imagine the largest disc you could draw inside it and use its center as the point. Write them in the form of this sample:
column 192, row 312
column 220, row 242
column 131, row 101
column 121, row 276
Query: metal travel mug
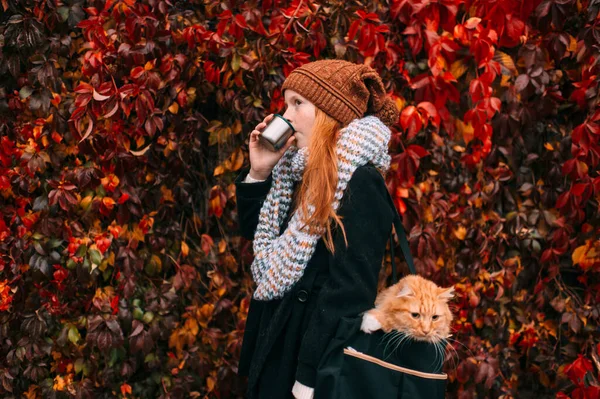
column 277, row 132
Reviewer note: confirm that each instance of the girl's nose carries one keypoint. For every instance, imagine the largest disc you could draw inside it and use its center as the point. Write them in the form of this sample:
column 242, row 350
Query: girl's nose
column 288, row 115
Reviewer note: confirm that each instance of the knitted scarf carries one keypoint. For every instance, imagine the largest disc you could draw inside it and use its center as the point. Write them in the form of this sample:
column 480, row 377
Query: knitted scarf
column 280, row 260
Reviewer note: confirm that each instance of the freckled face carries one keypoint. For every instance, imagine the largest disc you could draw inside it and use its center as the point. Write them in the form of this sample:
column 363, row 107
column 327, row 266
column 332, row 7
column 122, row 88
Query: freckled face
column 301, row 113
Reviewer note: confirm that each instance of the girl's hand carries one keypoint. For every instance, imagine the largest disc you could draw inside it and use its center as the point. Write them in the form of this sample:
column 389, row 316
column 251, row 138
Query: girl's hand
column 263, row 160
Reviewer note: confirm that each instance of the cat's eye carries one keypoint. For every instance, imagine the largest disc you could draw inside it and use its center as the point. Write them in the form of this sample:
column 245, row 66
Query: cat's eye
column 435, row 317
column 415, row 315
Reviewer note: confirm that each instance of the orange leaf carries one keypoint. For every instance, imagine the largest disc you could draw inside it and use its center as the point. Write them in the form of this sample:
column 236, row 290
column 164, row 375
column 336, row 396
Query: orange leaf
column 125, row 389
column 466, row 130
column 458, row 69
column 236, row 127
column 219, row 170
column 167, row 195
column 210, row 383
column 236, row 160
column 56, row 137
column 174, row 108
column 460, row 232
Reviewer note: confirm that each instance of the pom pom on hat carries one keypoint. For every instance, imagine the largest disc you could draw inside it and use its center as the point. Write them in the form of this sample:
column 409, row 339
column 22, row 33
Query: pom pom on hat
column 388, row 113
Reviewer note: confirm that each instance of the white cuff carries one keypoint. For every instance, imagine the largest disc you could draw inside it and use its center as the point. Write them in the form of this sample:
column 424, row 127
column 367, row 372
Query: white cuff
column 302, row 391
column 249, row 179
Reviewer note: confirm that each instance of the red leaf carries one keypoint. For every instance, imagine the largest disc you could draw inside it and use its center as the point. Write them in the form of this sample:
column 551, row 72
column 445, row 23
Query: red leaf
column 114, row 109
column 353, row 29
column 361, row 14
column 417, row 151
column 88, row 131
column 411, row 121
column 84, row 88
column 137, row 72
column 579, row 188
column 78, row 113
column 206, row 243
column 577, row 370
column 430, row 112
column 562, row 199
column 241, row 21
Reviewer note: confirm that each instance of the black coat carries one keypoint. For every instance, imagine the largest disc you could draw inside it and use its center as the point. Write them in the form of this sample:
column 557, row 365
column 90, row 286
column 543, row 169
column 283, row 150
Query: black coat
column 285, row 338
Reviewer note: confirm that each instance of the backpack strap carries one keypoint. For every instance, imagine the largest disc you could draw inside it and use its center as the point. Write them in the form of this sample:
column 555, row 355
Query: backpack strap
column 403, row 242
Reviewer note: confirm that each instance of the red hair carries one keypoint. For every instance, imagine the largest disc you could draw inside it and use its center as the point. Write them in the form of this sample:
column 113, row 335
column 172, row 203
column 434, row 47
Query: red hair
column 320, row 178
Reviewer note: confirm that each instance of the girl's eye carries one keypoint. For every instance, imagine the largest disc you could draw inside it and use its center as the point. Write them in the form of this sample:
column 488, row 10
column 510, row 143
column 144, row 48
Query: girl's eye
column 435, row 317
column 415, row 315
column 298, row 102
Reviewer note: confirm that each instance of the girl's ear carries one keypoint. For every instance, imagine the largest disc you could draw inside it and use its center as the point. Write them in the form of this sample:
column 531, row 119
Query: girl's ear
column 446, row 293
column 405, row 291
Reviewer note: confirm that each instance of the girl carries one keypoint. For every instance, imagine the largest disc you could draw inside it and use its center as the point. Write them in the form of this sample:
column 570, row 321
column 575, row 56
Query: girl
column 319, row 216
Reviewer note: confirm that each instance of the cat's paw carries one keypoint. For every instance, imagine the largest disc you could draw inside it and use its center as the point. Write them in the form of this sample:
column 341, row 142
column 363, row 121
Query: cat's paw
column 369, row 323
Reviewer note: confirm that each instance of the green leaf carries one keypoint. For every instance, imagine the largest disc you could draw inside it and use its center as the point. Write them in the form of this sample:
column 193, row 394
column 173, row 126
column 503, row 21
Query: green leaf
column 149, row 357
column 236, row 62
column 81, row 250
column 79, row 365
column 25, row 92
column 63, row 12
column 95, row 256
column 114, row 356
column 54, row 243
column 73, row 335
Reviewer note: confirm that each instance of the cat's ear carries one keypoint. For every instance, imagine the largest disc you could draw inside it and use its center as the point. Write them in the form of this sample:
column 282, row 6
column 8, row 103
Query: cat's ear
column 406, row 291
column 446, row 293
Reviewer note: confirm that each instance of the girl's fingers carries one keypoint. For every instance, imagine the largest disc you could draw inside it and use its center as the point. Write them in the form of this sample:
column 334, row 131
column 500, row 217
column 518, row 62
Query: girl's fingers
column 287, row 145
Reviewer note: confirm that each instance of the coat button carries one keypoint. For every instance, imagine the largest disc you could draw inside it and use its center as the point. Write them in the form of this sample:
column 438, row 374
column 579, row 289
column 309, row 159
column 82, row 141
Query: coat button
column 302, row 296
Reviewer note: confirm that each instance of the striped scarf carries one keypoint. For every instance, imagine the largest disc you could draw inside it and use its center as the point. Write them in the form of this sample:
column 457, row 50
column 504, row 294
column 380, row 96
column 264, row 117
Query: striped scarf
column 280, row 260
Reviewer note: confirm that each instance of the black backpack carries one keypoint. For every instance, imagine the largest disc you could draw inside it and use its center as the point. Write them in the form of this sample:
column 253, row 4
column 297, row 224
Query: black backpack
column 359, row 365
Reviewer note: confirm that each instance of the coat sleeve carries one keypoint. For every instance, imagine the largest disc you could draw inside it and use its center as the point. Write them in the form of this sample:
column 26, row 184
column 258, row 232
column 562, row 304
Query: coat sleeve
column 351, row 287
column 249, row 198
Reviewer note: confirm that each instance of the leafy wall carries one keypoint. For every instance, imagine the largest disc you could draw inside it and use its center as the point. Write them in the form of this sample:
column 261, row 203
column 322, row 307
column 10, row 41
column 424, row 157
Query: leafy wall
column 123, row 125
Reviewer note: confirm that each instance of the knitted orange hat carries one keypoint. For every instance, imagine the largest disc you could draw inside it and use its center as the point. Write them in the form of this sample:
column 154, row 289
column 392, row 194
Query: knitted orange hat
column 343, row 90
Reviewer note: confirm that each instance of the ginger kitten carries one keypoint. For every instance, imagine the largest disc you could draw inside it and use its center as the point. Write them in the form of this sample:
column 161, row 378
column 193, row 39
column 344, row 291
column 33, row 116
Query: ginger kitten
column 414, row 306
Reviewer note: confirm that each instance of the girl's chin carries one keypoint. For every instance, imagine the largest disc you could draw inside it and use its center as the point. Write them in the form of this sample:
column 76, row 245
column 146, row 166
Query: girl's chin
column 299, row 143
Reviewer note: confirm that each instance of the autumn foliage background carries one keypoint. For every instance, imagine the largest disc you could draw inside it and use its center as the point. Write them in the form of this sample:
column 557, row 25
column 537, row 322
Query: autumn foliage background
column 124, row 123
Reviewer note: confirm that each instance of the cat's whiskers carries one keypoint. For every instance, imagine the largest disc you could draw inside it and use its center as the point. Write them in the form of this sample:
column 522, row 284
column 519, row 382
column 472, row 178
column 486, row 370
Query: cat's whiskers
column 396, row 340
column 439, row 351
column 406, row 338
column 460, row 343
column 391, row 336
column 453, row 355
column 449, row 351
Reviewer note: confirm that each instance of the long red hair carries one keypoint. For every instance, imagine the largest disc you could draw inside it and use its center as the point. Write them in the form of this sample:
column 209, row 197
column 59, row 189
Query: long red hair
column 320, row 178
